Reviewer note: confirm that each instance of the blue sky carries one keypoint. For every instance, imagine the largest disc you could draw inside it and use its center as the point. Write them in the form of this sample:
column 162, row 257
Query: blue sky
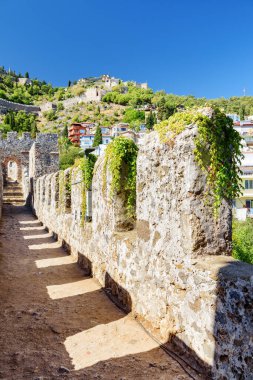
column 198, row 47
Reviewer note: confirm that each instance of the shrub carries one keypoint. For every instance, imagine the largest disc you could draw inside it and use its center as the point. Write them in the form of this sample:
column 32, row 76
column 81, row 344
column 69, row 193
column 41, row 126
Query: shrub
column 122, row 152
column 50, row 115
column 60, row 106
column 242, row 238
column 68, row 156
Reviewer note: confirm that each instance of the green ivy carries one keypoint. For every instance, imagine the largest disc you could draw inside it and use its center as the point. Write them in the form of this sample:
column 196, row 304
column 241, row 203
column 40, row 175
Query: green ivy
column 174, row 125
column 217, row 151
column 61, row 190
column 86, row 165
column 68, row 186
column 64, row 190
column 120, row 159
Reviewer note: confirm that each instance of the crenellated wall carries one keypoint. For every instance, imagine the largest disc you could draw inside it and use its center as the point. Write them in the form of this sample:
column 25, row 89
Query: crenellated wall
column 6, row 105
column 172, row 270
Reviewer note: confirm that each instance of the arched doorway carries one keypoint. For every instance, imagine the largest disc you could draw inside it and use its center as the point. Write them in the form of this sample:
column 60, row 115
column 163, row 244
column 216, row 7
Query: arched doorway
column 12, row 169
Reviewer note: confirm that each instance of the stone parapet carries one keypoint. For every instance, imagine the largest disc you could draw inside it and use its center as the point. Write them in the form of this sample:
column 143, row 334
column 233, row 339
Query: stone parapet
column 173, row 271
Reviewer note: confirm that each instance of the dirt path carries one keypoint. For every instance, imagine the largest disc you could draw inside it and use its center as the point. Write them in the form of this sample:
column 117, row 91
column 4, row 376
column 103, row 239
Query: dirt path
column 56, row 323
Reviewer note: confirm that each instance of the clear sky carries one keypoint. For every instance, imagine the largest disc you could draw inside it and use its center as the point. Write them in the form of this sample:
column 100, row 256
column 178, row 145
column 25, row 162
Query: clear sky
column 198, row 47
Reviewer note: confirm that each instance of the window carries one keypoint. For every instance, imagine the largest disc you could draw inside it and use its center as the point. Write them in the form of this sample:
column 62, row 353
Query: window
column 248, row 184
column 249, row 203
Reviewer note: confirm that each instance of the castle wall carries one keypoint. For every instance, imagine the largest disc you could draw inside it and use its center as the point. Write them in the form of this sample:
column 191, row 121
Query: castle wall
column 6, row 105
column 16, row 149
column 1, row 191
column 34, row 157
column 173, row 271
column 44, row 155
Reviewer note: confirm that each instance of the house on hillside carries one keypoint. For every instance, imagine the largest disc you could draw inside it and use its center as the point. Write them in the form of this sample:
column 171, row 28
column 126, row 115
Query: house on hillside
column 77, row 130
column 243, row 205
column 119, row 128
column 86, row 141
column 130, row 134
column 106, row 130
column 94, row 94
column 24, row 81
column 234, row 117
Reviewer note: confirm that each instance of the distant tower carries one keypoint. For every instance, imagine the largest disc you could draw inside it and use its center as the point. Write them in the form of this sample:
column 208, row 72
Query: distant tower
column 244, row 91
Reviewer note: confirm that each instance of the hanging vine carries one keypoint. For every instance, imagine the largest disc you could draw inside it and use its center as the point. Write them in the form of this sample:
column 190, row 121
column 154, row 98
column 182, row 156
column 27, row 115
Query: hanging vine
column 120, row 159
column 217, row 151
column 64, row 190
column 61, row 190
column 86, row 165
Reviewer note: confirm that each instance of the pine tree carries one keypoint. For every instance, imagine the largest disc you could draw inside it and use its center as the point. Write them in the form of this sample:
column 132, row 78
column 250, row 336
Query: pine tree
column 34, row 129
column 98, row 139
column 65, row 131
column 150, row 121
column 27, row 75
column 242, row 112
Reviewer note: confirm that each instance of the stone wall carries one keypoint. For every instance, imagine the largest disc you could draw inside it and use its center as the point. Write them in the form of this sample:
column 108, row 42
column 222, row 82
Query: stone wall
column 6, row 105
column 173, row 271
column 1, row 192
column 48, row 106
column 44, row 155
column 34, row 157
column 16, row 149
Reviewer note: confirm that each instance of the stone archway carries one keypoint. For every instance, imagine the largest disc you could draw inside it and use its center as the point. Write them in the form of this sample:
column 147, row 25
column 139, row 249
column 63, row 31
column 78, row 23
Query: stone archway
column 16, row 171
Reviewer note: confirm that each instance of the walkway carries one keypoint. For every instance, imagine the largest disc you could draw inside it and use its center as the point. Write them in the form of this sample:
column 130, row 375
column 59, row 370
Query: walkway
column 56, row 323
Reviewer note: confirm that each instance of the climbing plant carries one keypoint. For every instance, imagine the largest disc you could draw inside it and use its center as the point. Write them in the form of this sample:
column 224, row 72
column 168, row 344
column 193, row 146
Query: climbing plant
column 68, row 185
column 86, row 165
column 64, row 190
column 120, row 159
column 174, row 125
column 61, row 189
column 217, row 151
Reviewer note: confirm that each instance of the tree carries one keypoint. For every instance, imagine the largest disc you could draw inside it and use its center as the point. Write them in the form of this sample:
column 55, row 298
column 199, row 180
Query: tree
column 151, row 120
column 242, row 112
column 69, row 83
column 98, row 139
column 243, row 240
column 65, row 132
column 27, row 75
column 165, row 110
column 131, row 115
column 68, row 154
column 34, row 129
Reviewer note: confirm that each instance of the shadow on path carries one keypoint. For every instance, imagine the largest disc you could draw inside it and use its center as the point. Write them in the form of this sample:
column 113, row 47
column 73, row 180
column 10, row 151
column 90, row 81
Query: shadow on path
column 55, row 322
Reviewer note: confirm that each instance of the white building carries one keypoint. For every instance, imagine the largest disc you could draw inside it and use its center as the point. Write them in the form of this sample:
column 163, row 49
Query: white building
column 86, row 141
column 234, row 117
column 244, row 204
column 119, row 128
column 94, row 94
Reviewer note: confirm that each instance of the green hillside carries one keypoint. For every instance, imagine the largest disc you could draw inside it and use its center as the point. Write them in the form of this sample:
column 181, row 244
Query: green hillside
column 126, row 102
